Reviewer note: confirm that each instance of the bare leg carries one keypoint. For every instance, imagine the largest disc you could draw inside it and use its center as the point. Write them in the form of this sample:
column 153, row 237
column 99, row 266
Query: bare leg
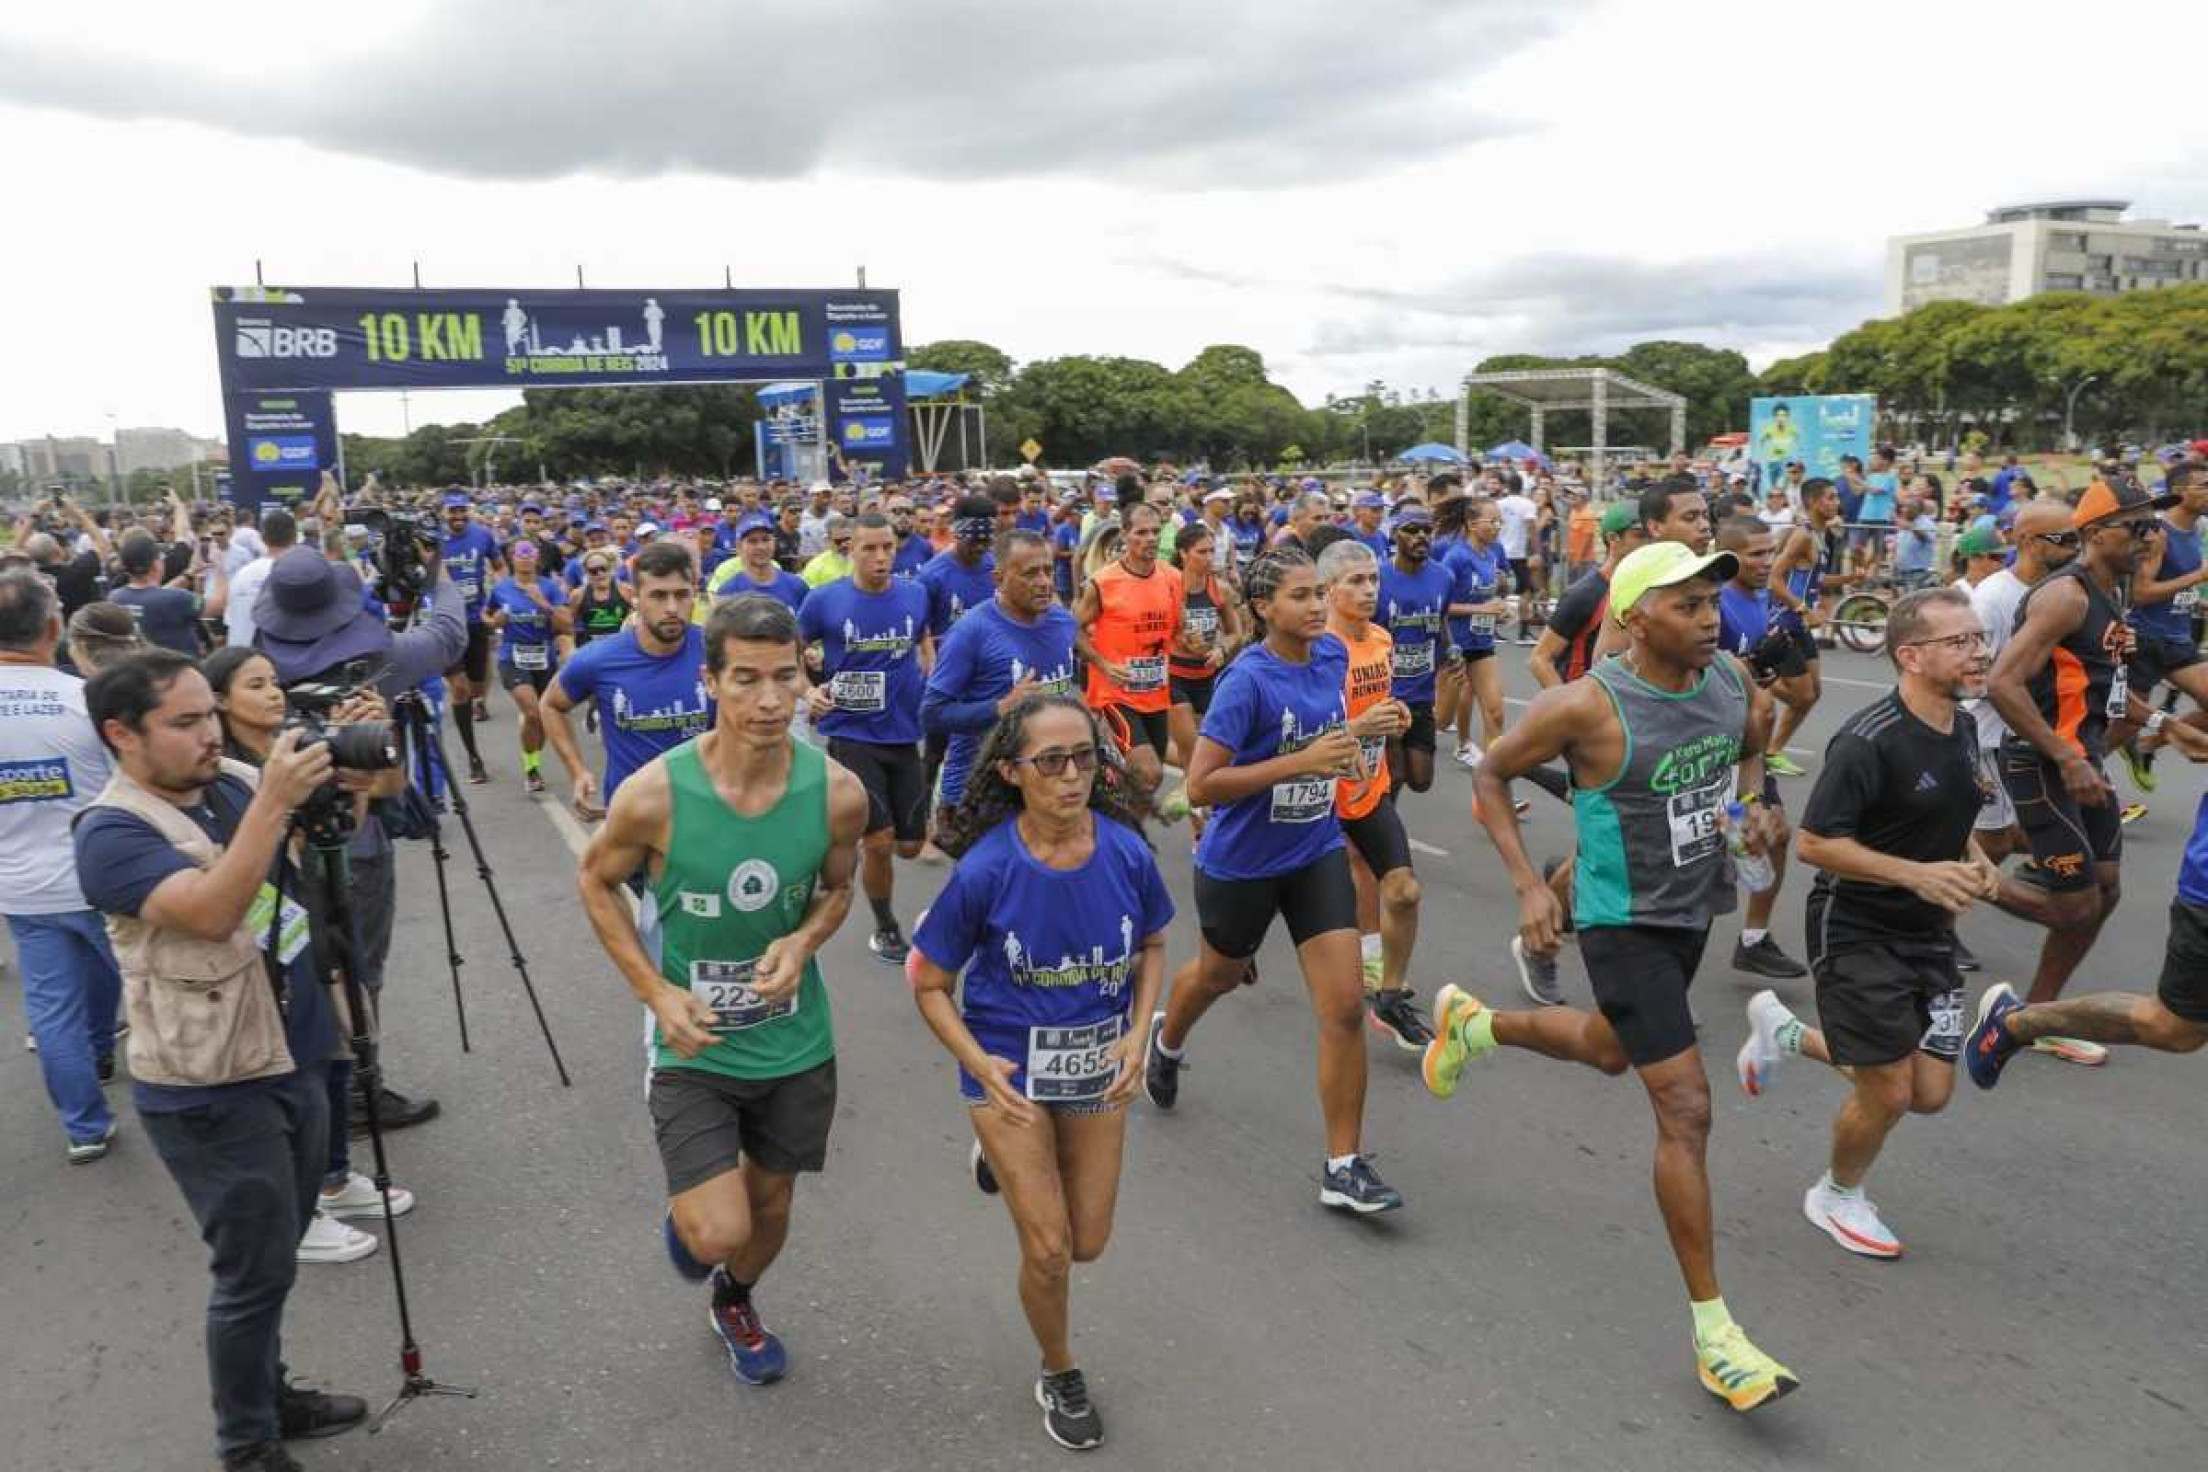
column 1331, row 974
column 1201, row 981
column 1025, row 1159
column 1399, row 896
column 1881, row 1096
column 1563, row 1033
column 2122, row 1018
column 1680, row 1095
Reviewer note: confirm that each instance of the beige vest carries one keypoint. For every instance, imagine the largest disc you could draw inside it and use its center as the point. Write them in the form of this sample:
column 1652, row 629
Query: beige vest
column 201, row 1011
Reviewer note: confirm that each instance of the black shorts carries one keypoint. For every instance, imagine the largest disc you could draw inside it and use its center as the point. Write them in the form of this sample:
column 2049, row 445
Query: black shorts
column 1640, row 975
column 937, row 746
column 1879, row 1003
column 2067, row 840
column 475, row 663
column 1146, row 726
column 1474, row 656
column 1194, row 691
column 896, row 785
column 2155, row 660
column 1234, row 914
column 1521, row 575
column 1420, row 734
column 709, row 1123
column 2184, row 984
column 510, row 677
column 1805, row 647
column 1379, row 838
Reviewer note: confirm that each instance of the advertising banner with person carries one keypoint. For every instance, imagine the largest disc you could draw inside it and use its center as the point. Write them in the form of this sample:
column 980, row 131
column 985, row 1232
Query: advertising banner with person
column 1816, row 429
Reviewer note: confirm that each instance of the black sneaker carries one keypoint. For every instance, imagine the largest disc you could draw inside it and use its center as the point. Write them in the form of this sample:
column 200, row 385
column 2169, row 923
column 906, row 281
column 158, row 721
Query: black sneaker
column 1161, row 1076
column 889, row 945
column 1764, row 958
column 1067, row 1415
column 476, row 773
column 269, row 1456
column 482, row 709
column 1357, row 1187
column 1966, row 959
column 1396, row 1014
column 1537, row 974
column 306, row 1415
column 533, row 783
column 394, row 1111
column 985, row 1179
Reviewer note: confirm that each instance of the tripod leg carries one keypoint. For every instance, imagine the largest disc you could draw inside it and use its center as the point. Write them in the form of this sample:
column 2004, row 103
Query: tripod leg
column 415, row 718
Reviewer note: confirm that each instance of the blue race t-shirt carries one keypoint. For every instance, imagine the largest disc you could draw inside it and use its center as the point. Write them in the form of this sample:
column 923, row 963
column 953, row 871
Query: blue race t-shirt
column 1049, row 954
column 2172, row 618
column 1412, row 607
column 1264, row 707
column 870, row 658
column 526, row 643
column 121, row 860
column 1066, row 540
column 954, row 589
column 785, row 587
column 647, row 703
column 1377, row 541
column 1475, row 575
column 1037, row 522
column 913, row 553
column 977, row 664
column 1742, row 618
column 468, row 557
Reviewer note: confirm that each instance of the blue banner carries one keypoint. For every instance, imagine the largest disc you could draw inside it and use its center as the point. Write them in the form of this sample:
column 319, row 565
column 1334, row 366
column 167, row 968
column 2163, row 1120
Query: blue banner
column 1816, row 429
column 280, row 443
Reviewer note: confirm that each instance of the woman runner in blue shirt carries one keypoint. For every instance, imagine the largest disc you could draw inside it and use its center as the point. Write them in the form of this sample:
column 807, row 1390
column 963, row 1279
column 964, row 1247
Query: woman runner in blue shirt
column 1058, row 921
column 535, row 628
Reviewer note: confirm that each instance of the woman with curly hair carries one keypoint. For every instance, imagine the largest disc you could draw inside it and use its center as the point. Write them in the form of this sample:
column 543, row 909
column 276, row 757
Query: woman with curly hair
column 1056, row 914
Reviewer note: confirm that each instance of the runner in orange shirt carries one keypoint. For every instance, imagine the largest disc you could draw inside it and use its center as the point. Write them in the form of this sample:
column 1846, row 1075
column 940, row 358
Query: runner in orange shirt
column 1130, row 614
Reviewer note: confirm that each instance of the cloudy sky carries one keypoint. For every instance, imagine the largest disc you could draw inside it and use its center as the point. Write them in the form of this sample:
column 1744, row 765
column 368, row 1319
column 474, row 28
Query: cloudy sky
column 1387, row 189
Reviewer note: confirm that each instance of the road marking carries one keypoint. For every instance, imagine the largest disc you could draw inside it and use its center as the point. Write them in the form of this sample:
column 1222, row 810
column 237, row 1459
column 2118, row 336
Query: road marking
column 570, row 829
column 1419, row 845
column 1858, row 684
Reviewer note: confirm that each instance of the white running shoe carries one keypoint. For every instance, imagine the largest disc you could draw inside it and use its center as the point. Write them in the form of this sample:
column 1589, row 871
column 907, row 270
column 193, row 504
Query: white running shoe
column 330, row 1240
column 1759, row 1056
column 1468, row 756
column 1851, row 1220
column 359, row 1199
column 2072, row 1050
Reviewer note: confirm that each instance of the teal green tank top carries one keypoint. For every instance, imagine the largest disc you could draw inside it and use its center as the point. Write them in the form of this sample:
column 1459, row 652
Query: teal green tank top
column 729, row 886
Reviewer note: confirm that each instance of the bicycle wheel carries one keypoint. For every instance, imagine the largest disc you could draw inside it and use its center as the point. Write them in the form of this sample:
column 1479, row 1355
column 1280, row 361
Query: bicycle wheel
column 1859, row 621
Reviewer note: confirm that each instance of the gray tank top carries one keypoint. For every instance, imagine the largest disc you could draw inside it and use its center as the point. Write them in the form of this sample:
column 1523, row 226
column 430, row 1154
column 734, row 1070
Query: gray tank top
column 1651, row 851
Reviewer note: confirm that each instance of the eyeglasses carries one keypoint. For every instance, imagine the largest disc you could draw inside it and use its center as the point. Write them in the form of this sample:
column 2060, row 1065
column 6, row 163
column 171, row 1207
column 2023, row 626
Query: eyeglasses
column 1053, row 763
column 1975, row 639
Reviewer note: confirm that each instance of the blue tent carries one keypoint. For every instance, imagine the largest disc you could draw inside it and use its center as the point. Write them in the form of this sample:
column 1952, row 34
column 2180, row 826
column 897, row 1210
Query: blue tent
column 1516, row 450
column 1432, row 451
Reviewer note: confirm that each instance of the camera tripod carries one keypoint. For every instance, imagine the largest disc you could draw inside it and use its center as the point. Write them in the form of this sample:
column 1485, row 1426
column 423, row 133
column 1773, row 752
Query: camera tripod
column 420, row 742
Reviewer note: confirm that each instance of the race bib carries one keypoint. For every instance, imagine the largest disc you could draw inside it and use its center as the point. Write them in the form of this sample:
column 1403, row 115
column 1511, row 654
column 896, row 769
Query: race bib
column 467, row 588
column 1695, row 834
column 1201, row 626
column 2186, row 601
column 1944, row 1038
column 1071, row 1063
column 532, row 657
column 726, row 987
column 291, row 930
column 1303, row 799
column 1145, row 674
column 1481, row 625
column 860, row 691
column 2119, row 693
column 1413, row 660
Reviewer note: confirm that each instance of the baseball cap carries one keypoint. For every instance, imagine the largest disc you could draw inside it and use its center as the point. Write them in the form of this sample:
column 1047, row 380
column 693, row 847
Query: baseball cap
column 1370, row 501
column 1222, row 494
column 1414, row 513
column 528, row 506
column 1980, row 541
column 1620, row 516
column 712, row 503
column 647, row 528
column 458, row 498
column 2102, row 502
column 754, row 521
column 1662, row 565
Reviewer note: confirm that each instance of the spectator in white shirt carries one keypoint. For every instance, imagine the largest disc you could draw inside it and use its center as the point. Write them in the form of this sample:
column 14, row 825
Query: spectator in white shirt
column 280, row 531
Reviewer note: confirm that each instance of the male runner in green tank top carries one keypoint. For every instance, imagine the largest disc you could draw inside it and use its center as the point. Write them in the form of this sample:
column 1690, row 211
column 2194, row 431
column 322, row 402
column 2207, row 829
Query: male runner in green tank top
column 751, row 842
column 1659, row 739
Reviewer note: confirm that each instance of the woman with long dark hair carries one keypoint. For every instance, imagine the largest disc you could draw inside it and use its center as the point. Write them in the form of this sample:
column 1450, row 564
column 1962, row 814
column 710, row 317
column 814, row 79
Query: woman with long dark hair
column 1056, row 917
column 1211, row 630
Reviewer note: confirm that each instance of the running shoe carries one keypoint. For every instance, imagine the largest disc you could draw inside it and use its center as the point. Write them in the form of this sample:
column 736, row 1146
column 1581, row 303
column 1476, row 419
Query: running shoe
column 1174, row 805
column 1760, row 1056
column 1069, row 1417
column 1764, row 958
column 329, row 1240
column 84, row 1152
column 1779, row 764
column 1536, row 974
column 1989, row 1047
column 2132, row 813
column 304, row 1414
column 755, row 1356
column 678, row 1252
column 985, row 1179
column 889, row 945
column 476, row 773
column 1451, row 1049
column 1850, row 1219
column 358, row 1197
column 2140, row 765
column 2072, row 1050
column 482, row 709
column 533, row 783
column 1357, row 1187
column 1468, row 756
column 1738, row 1373
column 1966, row 959
column 1397, row 1015
column 1161, row 1076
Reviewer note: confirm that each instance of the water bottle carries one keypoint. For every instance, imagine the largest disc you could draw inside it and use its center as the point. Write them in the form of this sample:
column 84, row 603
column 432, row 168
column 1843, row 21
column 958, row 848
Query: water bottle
column 1753, row 870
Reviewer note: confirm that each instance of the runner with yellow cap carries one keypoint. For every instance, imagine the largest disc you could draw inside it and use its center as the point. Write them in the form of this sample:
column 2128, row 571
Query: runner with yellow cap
column 1661, row 741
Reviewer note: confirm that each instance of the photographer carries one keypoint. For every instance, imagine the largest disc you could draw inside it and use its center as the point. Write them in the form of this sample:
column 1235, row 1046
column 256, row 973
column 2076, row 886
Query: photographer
column 184, row 855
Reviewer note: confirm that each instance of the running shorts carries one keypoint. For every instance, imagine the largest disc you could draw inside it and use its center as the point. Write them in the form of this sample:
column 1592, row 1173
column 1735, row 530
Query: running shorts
column 708, row 1123
column 1194, row 693
column 1146, row 726
column 2155, row 660
column 2184, row 984
column 1379, row 838
column 1234, row 914
column 475, row 661
column 1420, row 735
column 2067, row 840
column 1879, row 1002
column 1640, row 975
column 1521, row 575
column 1995, row 812
column 512, row 678
column 896, row 784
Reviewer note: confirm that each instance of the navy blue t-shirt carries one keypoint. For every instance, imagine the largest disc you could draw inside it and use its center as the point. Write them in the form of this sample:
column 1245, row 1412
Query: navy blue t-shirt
column 977, row 664
column 913, row 553
column 121, row 860
column 1742, row 618
column 1412, row 607
column 647, row 703
column 1264, row 707
column 955, row 589
column 526, row 642
column 468, row 557
column 870, row 658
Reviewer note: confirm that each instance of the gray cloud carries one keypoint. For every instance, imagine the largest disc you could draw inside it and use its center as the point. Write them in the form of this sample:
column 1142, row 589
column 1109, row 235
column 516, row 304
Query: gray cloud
column 1244, row 93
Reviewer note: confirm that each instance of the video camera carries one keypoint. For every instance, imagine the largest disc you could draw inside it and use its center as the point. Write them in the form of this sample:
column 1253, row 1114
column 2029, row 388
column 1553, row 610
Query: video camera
column 400, row 546
column 362, row 746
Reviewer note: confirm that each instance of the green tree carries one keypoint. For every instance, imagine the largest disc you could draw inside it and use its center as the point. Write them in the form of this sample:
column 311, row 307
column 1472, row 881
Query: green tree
column 990, row 367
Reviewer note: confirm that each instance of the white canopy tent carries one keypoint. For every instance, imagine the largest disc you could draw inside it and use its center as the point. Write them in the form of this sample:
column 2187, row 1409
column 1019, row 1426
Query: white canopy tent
column 1594, row 390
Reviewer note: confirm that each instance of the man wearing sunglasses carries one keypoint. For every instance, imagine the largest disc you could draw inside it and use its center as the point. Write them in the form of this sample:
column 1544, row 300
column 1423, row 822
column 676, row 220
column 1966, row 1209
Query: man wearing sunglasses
column 2045, row 540
column 2063, row 687
column 2165, row 604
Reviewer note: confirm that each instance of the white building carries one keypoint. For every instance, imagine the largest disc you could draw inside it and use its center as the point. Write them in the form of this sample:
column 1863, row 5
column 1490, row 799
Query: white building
column 156, row 449
column 2023, row 250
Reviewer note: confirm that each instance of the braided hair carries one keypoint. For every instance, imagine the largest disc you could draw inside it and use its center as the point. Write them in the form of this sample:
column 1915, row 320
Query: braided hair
column 1263, row 578
column 990, row 800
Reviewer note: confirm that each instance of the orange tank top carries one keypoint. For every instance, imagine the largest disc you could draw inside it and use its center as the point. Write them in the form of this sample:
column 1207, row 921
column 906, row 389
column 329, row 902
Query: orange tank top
column 1134, row 629
column 1371, row 675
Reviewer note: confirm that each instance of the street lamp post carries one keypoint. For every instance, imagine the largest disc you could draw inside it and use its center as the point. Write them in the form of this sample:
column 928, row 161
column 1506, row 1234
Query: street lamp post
column 2069, row 438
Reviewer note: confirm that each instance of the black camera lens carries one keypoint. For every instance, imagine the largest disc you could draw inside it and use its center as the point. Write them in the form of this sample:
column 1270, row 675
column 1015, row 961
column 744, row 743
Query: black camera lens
column 365, row 747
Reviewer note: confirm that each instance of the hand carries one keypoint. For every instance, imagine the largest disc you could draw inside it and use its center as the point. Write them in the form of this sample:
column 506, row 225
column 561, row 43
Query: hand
column 1384, row 718
column 1989, row 875
column 361, row 705
column 584, row 797
column 1130, row 1052
column 1026, row 686
column 780, row 968
column 1953, row 886
column 1813, row 618
column 292, row 773
column 1114, row 672
column 1215, row 658
column 1335, row 754
column 685, row 1022
column 1540, row 920
column 818, row 702
column 996, row 1083
column 2085, row 784
column 1760, row 834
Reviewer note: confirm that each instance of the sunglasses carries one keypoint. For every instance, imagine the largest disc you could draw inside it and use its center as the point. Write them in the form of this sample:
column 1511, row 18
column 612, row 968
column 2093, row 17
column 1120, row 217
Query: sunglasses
column 2058, row 539
column 1054, row 763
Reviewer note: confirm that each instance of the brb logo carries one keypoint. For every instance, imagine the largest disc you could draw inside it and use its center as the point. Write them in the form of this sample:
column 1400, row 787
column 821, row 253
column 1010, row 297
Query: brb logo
column 257, row 337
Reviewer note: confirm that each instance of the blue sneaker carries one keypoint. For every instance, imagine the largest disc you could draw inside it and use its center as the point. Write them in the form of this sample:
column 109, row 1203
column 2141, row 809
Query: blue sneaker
column 1989, row 1047
column 756, row 1357
column 679, row 1255
column 1357, row 1187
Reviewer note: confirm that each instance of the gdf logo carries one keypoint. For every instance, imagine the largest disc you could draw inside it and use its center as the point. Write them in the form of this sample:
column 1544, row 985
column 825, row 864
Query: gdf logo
column 257, row 337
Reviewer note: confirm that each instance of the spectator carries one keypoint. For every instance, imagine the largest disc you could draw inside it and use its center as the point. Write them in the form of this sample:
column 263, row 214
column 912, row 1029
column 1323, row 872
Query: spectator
column 280, row 533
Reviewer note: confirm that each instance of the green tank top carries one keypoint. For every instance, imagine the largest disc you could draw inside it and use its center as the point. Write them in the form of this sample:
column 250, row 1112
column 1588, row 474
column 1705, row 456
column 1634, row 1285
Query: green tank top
column 729, row 886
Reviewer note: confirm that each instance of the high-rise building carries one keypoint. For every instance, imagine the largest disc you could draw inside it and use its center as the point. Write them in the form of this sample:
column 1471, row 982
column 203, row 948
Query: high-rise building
column 155, row 449
column 54, row 458
column 2023, row 250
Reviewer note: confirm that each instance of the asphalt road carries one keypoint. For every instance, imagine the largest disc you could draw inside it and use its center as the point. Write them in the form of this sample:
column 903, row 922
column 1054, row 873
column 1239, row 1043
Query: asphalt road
column 1522, row 1311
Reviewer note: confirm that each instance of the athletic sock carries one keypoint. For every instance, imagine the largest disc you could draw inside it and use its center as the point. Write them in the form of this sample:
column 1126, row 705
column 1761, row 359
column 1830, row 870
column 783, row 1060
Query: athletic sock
column 1752, row 937
column 1157, row 1040
column 726, row 1290
column 463, row 716
column 1789, row 1036
column 1835, row 1188
column 1340, row 1162
column 883, row 919
column 1479, row 1030
column 532, row 761
column 1710, row 1317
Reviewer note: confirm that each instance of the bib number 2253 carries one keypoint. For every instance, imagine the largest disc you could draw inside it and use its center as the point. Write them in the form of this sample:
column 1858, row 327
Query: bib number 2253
column 726, row 987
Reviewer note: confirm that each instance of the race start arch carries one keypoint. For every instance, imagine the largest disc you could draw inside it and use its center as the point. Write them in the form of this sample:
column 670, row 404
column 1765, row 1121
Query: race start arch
column 284, row 350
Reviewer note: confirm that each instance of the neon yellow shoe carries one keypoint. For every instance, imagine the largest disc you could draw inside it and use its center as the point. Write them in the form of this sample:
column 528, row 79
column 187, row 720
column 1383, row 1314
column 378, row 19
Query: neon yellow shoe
column 1738, row 1373
column 1463, row 1030
column 1779, row 764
